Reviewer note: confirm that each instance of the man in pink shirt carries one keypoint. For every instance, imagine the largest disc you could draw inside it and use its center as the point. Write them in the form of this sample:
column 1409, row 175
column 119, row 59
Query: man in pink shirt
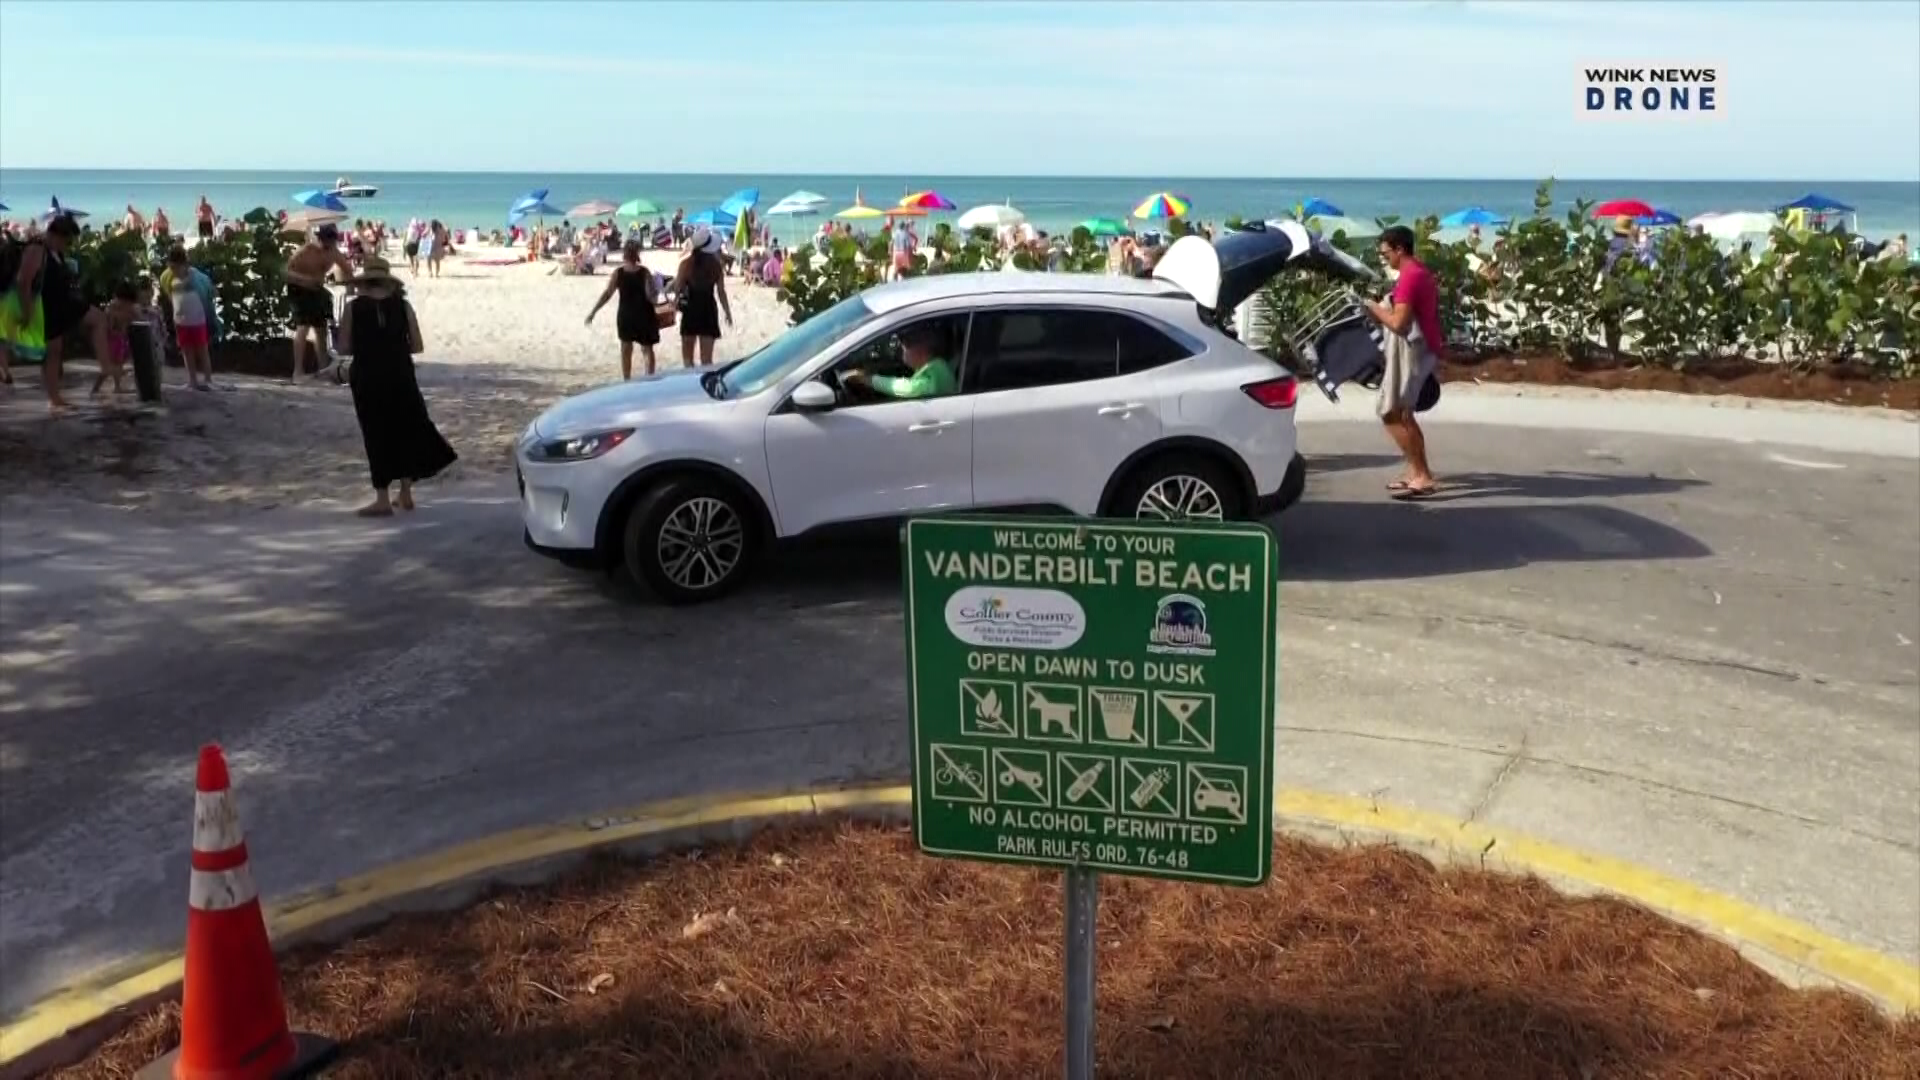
column 1414, row 306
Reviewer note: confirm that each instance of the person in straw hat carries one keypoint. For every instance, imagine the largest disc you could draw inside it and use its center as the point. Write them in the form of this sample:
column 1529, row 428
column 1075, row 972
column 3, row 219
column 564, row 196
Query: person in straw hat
column 382, row 335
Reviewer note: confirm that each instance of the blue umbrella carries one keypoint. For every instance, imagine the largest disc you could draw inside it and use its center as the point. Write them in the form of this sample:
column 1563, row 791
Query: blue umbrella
column 3, row 206
column 1472, row 215
column 525, row 203
column 55, row 210
column 320, row 200
column 715, row 218
column 1659, row 217
column 541, row 209
column 1817, row 203
column 1318, row 207
column 740, row 201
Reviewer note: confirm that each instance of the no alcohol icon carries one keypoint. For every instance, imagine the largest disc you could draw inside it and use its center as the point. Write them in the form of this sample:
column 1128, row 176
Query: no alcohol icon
column 1183, row 721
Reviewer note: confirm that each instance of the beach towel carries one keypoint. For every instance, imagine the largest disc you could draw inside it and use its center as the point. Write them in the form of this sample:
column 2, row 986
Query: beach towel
column 24, row 332
column 1408, row 371
column 495, row 262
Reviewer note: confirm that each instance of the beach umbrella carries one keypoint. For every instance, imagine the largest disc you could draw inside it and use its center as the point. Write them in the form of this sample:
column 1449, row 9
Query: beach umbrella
column 991, row 216
column 521, row 205
column 859, row 212
column 1163, row 204
column 54, row 210
column 740, row 201
column 1105, row 226
column 542, row 209
column 637, row 208
column 928, row 200
column 1658, row 218
column 1318, row 207
column 1328, row 224
column 1472, row 215
column 1816, row 203
column 312, row 217
column 320, row 200
column 1632, row 208
column 592, row 209
column 715, row 218
column 803, row 198
column 3, row 206
column 907, row 211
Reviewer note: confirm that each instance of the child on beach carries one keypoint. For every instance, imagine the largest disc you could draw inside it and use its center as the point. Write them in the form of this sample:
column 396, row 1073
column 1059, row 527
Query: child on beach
column 121, row 312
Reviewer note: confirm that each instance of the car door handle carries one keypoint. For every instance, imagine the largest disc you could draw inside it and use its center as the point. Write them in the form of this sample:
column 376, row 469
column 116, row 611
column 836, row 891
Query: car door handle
column 929, row 427
column 1122, row 409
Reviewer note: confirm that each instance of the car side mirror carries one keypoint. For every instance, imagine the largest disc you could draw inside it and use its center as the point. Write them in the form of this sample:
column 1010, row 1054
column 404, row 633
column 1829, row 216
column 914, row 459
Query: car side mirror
column 814, row 396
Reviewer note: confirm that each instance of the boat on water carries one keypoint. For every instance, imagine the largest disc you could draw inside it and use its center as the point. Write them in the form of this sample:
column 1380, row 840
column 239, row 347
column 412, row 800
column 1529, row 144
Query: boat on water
column 347, row 189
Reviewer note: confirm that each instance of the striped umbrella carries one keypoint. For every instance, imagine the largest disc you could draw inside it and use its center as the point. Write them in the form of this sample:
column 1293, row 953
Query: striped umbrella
column 1163, row 204
column 928, row 200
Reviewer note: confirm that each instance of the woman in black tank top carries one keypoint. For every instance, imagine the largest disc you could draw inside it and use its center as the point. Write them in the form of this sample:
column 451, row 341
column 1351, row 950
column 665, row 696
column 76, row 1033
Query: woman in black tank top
column 636, row 319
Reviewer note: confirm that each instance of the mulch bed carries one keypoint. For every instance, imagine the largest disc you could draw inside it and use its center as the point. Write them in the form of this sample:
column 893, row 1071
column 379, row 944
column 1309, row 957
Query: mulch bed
column 1836, row 384
column 840, row 952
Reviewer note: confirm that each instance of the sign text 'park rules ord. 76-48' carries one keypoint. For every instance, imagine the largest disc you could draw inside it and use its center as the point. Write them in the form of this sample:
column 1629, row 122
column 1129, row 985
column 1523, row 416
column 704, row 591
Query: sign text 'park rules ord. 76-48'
column 1094, row 695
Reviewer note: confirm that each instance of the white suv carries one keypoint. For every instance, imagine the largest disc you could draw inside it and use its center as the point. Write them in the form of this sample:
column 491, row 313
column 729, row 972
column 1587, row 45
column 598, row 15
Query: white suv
column 1088, row 394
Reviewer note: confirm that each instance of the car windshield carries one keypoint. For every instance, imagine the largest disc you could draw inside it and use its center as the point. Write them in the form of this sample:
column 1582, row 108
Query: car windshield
column 780, row 356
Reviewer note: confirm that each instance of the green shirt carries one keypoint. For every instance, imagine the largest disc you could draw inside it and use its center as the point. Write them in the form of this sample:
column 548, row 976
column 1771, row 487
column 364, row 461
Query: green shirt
column 934, row 379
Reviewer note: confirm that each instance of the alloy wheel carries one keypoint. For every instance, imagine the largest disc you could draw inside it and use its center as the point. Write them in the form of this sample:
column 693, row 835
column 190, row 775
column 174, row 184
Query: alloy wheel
column 701, row 543
column 1181, row 498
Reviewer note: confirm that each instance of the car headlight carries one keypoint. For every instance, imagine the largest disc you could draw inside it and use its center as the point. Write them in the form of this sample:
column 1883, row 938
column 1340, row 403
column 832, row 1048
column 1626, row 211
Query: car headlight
column 578, row 447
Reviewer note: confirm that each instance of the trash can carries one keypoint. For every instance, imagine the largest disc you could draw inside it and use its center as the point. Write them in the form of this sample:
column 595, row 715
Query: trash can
column 146, row 362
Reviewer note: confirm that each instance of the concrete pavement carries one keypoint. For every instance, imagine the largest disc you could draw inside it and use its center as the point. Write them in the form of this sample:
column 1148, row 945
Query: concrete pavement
column 1684, row 653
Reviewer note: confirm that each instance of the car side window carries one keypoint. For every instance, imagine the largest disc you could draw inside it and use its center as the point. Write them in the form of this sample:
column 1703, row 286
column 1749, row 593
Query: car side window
column 1021, row 349
column 883, row 356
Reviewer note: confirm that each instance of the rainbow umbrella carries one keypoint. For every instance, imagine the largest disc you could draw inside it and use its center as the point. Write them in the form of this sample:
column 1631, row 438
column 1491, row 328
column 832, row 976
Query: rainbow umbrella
column 1163, row 204
column 928, row 200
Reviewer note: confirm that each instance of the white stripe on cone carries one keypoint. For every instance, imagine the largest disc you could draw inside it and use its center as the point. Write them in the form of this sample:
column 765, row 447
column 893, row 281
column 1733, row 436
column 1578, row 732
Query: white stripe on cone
column 221, row 890
column 216, row 822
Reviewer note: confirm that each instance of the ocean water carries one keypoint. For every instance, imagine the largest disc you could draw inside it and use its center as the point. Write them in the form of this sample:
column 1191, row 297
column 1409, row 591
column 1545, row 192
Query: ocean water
column 1051, row 203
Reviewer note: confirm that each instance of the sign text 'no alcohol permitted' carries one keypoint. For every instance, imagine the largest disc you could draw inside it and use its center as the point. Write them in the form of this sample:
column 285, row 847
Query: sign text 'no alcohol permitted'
column 1093, row 695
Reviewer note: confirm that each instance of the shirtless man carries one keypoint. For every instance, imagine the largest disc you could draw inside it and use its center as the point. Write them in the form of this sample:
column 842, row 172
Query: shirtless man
column 312, row 303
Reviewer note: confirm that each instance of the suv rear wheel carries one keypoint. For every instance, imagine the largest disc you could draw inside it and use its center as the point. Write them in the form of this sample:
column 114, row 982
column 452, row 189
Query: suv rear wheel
column 688, row 541
column 1180, row 487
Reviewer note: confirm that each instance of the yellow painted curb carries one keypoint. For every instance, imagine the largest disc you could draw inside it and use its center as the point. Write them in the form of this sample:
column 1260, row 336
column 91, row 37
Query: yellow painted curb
column 94, row 999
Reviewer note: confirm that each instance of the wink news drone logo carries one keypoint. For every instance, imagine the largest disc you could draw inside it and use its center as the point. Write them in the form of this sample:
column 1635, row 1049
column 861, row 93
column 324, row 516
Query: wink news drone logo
column 1616, row 92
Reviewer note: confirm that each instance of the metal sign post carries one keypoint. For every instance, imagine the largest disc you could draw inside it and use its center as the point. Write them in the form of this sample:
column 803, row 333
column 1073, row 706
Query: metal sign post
column 1083, row 904
column 1097, row 697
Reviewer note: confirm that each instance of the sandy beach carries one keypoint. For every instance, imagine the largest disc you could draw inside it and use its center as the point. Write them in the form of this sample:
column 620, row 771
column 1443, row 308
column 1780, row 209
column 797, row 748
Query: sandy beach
column 502, row 343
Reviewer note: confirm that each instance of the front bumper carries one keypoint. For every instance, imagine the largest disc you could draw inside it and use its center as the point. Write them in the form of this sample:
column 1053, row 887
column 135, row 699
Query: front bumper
column 560, row 504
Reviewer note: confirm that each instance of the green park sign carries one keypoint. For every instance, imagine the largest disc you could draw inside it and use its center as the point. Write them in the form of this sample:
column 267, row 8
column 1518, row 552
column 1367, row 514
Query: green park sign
column 1094, row 695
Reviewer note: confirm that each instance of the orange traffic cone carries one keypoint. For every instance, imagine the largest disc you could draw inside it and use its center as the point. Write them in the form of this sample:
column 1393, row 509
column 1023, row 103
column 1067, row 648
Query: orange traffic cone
column 233, row 1022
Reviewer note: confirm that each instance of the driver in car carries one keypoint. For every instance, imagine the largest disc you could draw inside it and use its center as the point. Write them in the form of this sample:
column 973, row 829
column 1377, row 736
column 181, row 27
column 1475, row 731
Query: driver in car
column 932, row 375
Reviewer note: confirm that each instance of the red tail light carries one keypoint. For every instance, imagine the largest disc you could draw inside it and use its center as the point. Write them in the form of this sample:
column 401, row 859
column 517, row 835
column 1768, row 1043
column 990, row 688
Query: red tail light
column 1278, row 393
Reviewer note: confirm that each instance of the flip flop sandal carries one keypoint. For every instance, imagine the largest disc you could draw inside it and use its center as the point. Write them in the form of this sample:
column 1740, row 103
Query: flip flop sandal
column 1414, row 494
column 1397, row 485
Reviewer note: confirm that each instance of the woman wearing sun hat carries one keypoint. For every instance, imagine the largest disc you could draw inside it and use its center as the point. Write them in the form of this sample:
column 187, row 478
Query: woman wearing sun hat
column 701, row 286
column 383, row 336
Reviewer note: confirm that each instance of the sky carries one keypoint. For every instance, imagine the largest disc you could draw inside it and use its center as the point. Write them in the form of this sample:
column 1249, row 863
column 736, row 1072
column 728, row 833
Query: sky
column 1440, row 88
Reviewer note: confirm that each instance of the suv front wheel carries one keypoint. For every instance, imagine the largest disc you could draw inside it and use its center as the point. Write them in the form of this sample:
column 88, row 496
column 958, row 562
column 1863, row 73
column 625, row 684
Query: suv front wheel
column 1180, row 487
column 688, row 541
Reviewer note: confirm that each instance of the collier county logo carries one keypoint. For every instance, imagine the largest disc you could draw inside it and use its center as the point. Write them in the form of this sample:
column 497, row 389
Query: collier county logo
column 1681, row 90
column 1180, row 627
column 1016, row 618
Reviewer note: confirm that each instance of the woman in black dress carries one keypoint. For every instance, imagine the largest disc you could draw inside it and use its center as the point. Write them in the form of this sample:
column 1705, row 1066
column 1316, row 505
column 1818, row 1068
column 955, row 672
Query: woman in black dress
column 384, row 336
column 701, row 286
column 637, row 318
